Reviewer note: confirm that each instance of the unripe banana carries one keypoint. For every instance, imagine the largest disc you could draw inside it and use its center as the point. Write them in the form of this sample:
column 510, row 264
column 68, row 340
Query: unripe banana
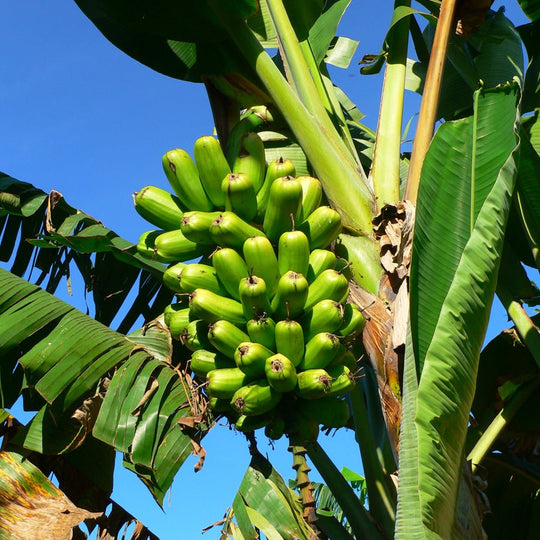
column 240, row 196
column 231, row 269
column 283, row 207
column 345, row 358
column 354, row 321
column 159, row 207
column 211, row 307
column 319, row 261
column 325, row 316
column 173, row 246
column 196, row 226
column 290, row 340
column 213, row 167
column 229, row 230
column 280, row 373
column 250, row 357
column 171, row 276
column 203, row 361
column 224, row 382
column 329, row 411
column 322, row 227
column 342, row 380
column 262, row 330
column 313, row 384
column 304, row 431
column 146, row 245
column 275, row 428
column 184, row 178
column 293, row 252
column 290, row 297
column 246, row 423
column 276, row 169
column 226, row 337
column 220, row 405
column 250, row 160
column 195, row 336
column 321, row 349
column 255, row 398
column 177, row 321
column 311, row 196
column 199, row 276
column 261, row 261
column 253, row 296
column 330, row 285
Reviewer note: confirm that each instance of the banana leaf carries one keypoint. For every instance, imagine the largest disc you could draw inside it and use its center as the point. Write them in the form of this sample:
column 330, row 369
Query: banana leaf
column 463, row 203
column 531, row 8
column 265, row 502
column 42, row 232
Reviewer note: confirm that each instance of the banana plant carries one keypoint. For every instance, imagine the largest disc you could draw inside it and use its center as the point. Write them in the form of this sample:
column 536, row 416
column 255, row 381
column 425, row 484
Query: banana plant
column 425, row 234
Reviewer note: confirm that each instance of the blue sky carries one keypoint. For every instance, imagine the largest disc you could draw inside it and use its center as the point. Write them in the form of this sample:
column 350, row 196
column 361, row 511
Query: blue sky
column 80, row 117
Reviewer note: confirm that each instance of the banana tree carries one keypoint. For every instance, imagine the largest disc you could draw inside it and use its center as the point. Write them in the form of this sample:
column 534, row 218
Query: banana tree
column 424, row 233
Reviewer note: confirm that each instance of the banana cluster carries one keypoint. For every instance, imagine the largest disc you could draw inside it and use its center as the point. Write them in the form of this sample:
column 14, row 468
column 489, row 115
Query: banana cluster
column 267, row 319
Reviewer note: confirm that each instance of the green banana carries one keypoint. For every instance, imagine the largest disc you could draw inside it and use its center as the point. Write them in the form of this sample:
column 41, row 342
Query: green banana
column 255, row 398
column 171, row 276
column 196, row 224
column 246, row 423
column 229, row 230
column 250, row 357
column 290, row 297
column 293, row 252
column 311, row 196
column 226, row 337
column 146, row 245
column 313, row 384
column 220, row 405
column 204, row 361
column 345, row 358
column 319, row 261
column 240, row 196
column 261, row 261
column 176, row 320
column 322, row 227
column 199, row 276
column 224, row 382
column 212, row 166
column 250, row 160
column 330, row 285
column 275, row 427
column 354, row 321
column 195, row 336
column 321, row 349
column 231, row 269
column 329, row 411
column 342, row 380
column 280, row 373
column 253, row 297
column 283, row 207
column 173, row 246
column 211, row 307
column 276, row 169
column 158, row 207
column 325, row 316
column 184, row 178
column 290, row 340
column 262, row 330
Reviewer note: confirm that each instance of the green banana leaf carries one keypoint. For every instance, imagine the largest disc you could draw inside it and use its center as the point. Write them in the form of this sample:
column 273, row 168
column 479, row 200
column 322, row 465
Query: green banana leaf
column 66, row 357
column 493, row 55
column 40, row 231
column 530, row 34
column 463, row 203
column 264, row 501
column 531, row 8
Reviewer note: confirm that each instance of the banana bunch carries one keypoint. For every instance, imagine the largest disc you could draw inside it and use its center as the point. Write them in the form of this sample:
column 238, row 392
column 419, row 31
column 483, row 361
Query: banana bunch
column 267, row 317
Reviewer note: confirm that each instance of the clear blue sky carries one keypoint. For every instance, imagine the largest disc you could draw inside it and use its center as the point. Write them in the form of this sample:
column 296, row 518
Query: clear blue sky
column 80, row 117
